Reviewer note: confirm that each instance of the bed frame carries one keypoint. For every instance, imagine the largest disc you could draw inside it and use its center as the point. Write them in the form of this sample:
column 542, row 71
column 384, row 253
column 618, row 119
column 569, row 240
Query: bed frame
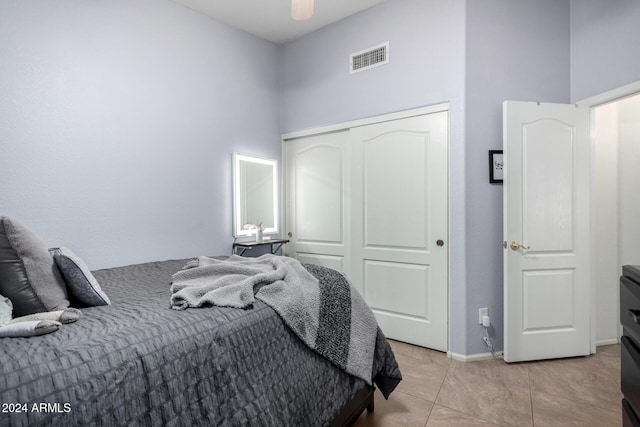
column 352, row 410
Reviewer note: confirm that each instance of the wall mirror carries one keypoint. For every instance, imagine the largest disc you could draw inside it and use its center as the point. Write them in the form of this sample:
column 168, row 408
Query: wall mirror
column 255, row 195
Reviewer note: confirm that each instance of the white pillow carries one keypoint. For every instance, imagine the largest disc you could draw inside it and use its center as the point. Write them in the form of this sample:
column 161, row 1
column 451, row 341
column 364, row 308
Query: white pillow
column 29, row 328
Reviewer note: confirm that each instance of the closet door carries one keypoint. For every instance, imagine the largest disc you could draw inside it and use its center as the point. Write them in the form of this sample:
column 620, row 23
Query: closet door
column 399, row 227
column 317, row 207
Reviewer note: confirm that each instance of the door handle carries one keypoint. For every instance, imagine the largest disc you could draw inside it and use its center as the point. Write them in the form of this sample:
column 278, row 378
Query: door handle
column 635, row 316
column 515, row 246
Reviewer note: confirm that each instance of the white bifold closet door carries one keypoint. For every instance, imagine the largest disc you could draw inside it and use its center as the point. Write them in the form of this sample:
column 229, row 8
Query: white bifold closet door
column 372, row 202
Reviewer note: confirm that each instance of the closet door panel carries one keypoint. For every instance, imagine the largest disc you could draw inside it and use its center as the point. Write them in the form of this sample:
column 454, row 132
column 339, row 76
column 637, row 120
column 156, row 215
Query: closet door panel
column 318, row 194
column 316, row 204
column 398, row 251
column 394, row 179
column 410, row 294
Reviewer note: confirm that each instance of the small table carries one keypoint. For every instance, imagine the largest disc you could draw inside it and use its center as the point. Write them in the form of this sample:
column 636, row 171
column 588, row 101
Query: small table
column 274, row 243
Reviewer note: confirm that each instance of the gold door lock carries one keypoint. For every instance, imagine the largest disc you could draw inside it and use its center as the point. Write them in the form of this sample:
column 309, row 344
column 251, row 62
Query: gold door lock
column 515, row 246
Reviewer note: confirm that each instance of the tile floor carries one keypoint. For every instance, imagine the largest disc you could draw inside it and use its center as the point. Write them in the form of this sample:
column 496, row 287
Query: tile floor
column 437, row 391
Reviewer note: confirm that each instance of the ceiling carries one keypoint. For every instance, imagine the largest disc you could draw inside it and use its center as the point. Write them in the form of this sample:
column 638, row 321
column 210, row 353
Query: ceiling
column 271, row 19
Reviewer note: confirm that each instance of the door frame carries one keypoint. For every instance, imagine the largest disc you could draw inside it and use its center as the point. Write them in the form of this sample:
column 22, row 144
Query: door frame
column 593, row 102
column 430, row 109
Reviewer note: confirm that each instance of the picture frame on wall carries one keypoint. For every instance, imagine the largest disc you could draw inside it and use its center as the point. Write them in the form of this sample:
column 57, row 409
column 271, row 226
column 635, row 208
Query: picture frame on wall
column 496, row 166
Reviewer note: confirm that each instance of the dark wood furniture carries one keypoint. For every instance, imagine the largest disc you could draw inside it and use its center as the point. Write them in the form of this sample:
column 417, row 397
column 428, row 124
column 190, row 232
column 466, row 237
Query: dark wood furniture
column 242, row 247
column 630, row 348
column 352, row 410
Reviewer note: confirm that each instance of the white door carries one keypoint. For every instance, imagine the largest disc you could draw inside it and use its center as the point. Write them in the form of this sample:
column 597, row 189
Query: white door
column 399, row 248
column 317, row 206
column 546, row 231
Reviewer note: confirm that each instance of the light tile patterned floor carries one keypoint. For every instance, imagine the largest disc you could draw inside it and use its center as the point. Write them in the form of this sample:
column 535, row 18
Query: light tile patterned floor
column 440, row 392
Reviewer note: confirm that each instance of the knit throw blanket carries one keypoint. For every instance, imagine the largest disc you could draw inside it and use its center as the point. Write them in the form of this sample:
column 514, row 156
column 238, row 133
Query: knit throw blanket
column 317, row 303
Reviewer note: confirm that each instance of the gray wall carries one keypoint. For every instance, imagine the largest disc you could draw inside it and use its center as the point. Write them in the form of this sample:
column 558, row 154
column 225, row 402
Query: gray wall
column 605, row 46
column 426, row 50
column 516, row 50
column 117, row 124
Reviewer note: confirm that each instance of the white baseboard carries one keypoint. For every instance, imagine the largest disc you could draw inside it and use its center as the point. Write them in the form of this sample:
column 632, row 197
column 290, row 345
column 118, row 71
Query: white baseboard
column 498, row 354
column 610, row 341
column 473, row 357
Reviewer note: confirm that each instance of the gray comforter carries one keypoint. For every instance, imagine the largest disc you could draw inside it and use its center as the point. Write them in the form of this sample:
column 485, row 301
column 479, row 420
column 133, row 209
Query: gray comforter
column 328, row 315
column 137, row 362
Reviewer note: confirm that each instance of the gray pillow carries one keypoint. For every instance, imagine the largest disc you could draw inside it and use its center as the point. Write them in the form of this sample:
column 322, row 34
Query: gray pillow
column 28, row 275
column 81, row 284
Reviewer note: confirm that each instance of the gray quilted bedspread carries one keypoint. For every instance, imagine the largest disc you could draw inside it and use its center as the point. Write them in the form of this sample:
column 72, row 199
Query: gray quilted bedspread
column 139, row 363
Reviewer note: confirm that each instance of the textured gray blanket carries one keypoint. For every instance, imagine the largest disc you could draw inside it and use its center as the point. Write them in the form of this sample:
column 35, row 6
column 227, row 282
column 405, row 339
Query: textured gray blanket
column 328, row 315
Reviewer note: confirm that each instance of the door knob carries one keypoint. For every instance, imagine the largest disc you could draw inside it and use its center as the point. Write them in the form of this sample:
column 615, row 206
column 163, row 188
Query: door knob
column 440, row 243
column 515, row 246
column 290, row 234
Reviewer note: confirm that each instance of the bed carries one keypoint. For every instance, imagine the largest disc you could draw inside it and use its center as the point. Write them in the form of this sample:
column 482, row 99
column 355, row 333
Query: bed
column 139, row 363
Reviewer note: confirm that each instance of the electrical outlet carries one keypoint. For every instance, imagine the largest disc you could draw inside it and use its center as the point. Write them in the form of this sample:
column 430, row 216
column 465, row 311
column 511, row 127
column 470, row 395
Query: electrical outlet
column 482, row 312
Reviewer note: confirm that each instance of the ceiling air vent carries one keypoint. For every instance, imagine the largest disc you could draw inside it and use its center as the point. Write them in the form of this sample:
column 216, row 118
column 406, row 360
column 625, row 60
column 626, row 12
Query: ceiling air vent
column 369, row 58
